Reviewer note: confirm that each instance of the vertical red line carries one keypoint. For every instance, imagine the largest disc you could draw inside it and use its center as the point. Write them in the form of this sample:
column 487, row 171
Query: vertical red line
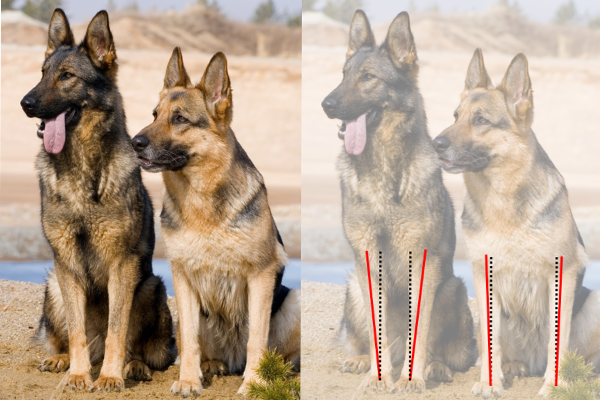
column 373, row 316
column 558, row 333
column 417, row 322
column 487, row 300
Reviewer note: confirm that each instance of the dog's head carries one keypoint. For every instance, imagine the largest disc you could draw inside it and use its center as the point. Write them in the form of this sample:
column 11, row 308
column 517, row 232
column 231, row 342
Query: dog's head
column 375, row 78
column 74, row 77
column 191, row 123
column 491, row 124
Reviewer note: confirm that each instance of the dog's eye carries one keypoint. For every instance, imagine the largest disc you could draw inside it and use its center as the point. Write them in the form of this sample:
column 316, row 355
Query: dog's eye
column 482, row 121
column 66, row 75
column 455, row 116
column 367, row 77
column 154, row 114
column 181, row 119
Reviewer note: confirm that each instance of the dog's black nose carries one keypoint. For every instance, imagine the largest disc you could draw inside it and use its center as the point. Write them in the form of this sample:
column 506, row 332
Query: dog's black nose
column 441, row 143
column 329, row 105
column 28, row 103
column 140, row 142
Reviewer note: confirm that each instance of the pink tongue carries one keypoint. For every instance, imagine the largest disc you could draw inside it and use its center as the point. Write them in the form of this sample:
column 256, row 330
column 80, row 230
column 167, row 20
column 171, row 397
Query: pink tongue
column 355, row 136
column 54, row 134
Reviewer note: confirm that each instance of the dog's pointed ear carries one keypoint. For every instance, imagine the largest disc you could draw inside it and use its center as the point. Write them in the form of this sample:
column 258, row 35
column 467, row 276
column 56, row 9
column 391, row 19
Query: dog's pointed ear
column 516, row 86
column 176, row 74
column 400, row 42
column 361, row 34
column 99, row 42
column 59, row 32
column 477, row 76
column 216, row 86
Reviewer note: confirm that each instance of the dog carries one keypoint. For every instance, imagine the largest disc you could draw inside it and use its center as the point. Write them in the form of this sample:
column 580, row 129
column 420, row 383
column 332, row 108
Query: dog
column 226, row 254
column 102, row 301
column 517, row 211
column 394, row 202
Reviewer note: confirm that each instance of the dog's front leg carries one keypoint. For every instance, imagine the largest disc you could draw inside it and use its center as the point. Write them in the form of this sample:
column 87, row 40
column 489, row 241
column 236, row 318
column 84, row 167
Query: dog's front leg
column 416, row 383
column 188, row 307
column 260, row 301
column 75, row 301
column 122, row 280
column 483, row 387
column 372, row 380
column 566, row 312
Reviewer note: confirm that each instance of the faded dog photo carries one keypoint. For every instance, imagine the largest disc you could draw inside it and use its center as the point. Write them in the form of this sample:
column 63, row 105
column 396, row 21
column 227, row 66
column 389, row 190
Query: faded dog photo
column 443, row 239
column 147, row 248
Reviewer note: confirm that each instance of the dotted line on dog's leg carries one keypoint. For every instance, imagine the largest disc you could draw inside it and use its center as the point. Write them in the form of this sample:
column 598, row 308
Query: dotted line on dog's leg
column 380, row 313
column 558, row 292
column 409, row 314
column 488, row 288
column 491, row 325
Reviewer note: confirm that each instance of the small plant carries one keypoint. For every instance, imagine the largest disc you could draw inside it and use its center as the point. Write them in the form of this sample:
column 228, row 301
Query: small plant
column 277, row 378
column 579, row 380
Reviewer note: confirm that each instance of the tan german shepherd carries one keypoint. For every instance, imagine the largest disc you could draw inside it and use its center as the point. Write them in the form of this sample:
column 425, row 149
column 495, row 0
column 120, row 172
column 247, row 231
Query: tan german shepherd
column 517, row 211
column 395, row 205
column 102, row 301
column 226, row 254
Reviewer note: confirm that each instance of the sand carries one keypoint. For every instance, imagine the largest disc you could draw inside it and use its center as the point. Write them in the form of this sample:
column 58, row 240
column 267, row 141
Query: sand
column 322, row 355
column 20, row 310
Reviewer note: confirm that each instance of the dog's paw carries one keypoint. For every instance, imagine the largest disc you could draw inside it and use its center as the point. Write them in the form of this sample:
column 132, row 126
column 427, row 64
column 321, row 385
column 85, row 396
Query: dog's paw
column 545, row 390
column 137, row 370
column 356, row 365
column 373, row 383
column 57, row 363
column 82, row 382
column 187, row 388
column 486, row 391
column 109, row 383
column 438, row 371
column 214, row 367
column 415, row 385
column 514, row 368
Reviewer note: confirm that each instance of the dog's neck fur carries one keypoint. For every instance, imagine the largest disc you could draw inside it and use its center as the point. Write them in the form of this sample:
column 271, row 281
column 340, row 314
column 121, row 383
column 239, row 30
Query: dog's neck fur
column 95, row 142
column 511, row 189
column 392, row 147
column 201, row 186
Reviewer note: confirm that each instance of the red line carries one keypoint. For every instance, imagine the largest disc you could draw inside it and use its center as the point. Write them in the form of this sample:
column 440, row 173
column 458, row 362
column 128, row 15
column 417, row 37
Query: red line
column 558, row 333
column 487, row 289
column 417, row 323
column 373, row 315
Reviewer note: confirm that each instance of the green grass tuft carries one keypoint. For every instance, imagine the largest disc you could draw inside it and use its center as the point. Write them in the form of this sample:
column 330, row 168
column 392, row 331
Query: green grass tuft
column 278, row 381
column 579, row 380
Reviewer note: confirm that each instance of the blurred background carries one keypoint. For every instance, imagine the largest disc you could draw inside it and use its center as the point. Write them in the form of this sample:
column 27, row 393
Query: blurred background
column 262, row 40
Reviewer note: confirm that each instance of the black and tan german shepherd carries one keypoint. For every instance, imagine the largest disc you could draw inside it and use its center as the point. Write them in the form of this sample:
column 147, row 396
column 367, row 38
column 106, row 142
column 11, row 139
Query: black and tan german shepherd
column 102, row 301
column 394, row 202
column 226, row 254
column 517, row 211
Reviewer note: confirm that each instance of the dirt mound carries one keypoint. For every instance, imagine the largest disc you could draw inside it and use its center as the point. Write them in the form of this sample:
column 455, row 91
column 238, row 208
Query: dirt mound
column 497, row 30
column 195, row 28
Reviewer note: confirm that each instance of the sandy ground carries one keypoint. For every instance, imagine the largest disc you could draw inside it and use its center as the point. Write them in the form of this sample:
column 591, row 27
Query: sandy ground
column 20, row 310
column 566, row 124
column 322, row 356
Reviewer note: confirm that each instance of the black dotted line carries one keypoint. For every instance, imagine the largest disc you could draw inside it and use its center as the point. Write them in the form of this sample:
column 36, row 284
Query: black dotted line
column 491, row 331
column 409, row 311
column 380, row 296
column 556, row 274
